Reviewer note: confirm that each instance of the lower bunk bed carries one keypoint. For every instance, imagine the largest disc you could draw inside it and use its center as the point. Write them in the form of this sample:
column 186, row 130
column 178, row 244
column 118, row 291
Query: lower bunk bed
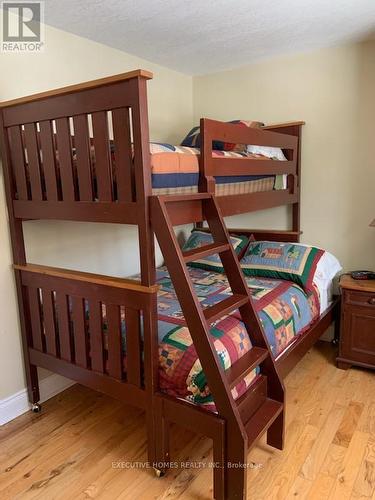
column 100, row 340
column 285, row 310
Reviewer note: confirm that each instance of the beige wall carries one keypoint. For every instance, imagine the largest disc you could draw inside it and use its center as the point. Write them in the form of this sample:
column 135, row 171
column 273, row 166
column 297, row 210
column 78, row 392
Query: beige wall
column 110, row 249
column 333, row 91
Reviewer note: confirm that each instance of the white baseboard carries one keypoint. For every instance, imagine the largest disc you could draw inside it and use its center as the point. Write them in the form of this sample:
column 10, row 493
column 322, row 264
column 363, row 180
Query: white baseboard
column 17, row 404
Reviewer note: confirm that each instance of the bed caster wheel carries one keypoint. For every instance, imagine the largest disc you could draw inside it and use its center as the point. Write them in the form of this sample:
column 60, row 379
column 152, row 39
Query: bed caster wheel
column 36, row 408
column 159, row 473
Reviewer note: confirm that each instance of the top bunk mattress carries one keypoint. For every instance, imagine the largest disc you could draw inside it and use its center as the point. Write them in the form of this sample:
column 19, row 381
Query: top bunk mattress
column 175, row 170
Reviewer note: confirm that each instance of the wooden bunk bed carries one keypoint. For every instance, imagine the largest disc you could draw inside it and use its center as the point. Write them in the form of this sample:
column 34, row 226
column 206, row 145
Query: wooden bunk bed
column 44, row 182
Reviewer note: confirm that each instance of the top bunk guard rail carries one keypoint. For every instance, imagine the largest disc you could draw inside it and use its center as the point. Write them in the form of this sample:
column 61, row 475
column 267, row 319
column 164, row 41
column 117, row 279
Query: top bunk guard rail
column 210, row 166
column 80, row 152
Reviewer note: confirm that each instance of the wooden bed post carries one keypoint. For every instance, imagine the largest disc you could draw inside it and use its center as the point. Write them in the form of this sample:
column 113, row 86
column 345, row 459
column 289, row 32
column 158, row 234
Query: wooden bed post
column 293, row 128
column 19, row 257
column 142, row 170
column 206, row 182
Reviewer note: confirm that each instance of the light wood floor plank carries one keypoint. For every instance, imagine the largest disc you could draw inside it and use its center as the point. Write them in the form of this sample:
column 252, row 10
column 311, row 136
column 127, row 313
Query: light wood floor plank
column 69, row 450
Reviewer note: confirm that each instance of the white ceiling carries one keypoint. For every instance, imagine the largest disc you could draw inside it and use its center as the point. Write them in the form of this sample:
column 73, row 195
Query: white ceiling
column 202, row 36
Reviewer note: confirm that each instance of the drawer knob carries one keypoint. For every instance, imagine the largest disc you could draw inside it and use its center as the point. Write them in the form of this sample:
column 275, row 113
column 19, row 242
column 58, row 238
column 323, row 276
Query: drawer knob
column 372, row 301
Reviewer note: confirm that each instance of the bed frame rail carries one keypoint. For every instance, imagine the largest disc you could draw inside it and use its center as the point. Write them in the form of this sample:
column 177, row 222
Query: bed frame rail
column 78, row 319
column 210, row 166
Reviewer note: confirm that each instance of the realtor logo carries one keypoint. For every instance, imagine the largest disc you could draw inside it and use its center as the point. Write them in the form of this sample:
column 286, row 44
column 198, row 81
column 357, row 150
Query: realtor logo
column 22, row 26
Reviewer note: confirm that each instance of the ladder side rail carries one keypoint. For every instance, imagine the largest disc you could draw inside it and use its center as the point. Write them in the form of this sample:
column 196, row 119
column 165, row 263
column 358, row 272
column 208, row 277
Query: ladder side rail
column 238, row 284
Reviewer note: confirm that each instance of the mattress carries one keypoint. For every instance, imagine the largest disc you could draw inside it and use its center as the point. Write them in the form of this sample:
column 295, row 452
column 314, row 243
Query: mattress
column 285, row 311
column 175, row 170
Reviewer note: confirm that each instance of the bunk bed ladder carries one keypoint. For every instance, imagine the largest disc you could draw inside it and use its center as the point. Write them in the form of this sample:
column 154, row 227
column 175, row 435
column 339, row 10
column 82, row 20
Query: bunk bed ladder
column 261, row 408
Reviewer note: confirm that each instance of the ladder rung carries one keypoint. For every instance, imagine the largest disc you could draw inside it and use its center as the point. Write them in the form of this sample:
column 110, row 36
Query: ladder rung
column 200, row 252
column 184, row 197
column 253, row 398
column 245, row 365
column 225, row 307
column 262, row 419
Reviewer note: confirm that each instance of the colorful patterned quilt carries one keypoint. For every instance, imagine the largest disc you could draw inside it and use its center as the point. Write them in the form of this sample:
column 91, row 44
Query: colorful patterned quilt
column 284, row 309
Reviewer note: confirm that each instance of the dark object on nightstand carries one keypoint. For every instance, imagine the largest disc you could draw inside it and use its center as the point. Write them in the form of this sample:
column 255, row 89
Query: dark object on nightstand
column 357, row 334
column 363, row 275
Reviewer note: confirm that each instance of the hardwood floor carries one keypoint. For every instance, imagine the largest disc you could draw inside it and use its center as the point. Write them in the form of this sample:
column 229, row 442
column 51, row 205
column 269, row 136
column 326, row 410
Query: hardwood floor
column 76, row 447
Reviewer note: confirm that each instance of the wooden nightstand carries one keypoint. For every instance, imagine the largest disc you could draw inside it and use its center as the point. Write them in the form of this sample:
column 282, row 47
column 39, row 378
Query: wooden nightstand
column 357, row 333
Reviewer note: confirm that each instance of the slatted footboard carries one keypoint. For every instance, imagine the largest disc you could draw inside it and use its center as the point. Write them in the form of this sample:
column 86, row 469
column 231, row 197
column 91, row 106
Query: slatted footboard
column 89, row 328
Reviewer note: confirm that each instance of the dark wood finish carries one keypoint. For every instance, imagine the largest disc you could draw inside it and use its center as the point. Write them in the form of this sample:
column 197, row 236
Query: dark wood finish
column 133, row 347
column 253, row 398
column 18, row 251
column 34, row 304
column 103, row 167
column 79, row 332
column 224, row 307
column 115, row 213
column 33, row 161
column 86, row 101
column 123, row 154
column 49, row 322
column 48, row 154
column 82, row 151
column 269, row 234
column 199, row 320
column 114, row 341
column 268, row 412
column 201, row 252
column 74, row 89
column 242, row 203
column 18, row 162
column 143, row 186
column 97, row 279
column 357, row 335
column 235, row 166
column 97, row 381
column 245, row 365
column 96, row 336
column 233, row 204
column 64, row 150
column 63, row 322
column 229, row 132
column 61, row 182
column 82, row 347
column 264, row 234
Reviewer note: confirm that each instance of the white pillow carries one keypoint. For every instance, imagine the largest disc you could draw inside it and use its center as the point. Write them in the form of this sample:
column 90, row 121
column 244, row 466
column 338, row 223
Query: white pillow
column 327, row 268
column 268, row 151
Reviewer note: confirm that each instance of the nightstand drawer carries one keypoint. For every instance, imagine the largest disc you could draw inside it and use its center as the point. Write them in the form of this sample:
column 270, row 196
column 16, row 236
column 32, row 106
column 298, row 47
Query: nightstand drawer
column 360, row 298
